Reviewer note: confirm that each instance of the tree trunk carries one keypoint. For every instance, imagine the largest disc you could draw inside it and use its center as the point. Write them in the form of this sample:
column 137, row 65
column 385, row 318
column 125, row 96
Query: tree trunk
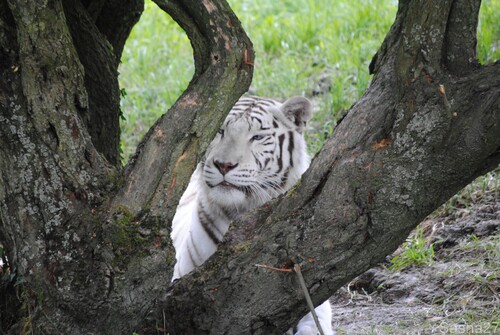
column 89, row 255
column 88, row 244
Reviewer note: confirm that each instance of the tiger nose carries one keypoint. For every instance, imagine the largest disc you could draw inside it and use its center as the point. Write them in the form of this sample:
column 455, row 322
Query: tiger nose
column 224, row 167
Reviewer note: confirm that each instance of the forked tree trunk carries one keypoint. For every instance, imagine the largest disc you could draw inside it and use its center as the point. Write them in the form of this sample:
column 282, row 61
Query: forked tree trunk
column 89, row 244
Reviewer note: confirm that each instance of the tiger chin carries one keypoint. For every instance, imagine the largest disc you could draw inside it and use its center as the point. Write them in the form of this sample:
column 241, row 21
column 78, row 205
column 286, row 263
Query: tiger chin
column 258, row 153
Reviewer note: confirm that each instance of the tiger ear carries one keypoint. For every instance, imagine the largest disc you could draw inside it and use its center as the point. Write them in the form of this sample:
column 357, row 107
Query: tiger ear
column 298, row 110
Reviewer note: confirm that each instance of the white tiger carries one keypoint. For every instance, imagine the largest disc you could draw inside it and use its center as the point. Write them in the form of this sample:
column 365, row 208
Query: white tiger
column 258, row 154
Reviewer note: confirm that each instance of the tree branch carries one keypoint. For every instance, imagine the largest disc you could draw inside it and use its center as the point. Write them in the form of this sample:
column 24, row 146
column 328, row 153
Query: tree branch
column 101, row 70
column 194, row 30
column 115, row 19
column 164, row 161
column 460, row 52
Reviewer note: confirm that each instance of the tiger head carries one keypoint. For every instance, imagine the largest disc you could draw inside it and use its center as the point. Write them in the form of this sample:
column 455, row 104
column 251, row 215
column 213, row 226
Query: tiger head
column 258, row 153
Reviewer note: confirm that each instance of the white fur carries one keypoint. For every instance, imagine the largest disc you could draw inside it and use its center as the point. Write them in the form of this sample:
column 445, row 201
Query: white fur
column 247, row 184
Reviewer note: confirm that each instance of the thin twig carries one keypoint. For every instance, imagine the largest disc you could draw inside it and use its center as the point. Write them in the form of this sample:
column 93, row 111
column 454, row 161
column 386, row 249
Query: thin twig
column 164, row 322
column 296, row 267
column 298, row 271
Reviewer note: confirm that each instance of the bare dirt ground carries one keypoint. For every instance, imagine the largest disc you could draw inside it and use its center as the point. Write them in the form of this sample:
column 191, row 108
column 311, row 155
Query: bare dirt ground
column 457, row 292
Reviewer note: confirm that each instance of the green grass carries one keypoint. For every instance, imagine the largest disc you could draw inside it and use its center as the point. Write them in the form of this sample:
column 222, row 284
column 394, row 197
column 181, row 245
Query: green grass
column 156, row 67
column 297, row 42
column 488, row 36
column 415, row 252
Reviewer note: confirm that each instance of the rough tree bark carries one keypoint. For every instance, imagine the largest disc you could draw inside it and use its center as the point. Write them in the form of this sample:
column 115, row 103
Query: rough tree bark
column 88, row 243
